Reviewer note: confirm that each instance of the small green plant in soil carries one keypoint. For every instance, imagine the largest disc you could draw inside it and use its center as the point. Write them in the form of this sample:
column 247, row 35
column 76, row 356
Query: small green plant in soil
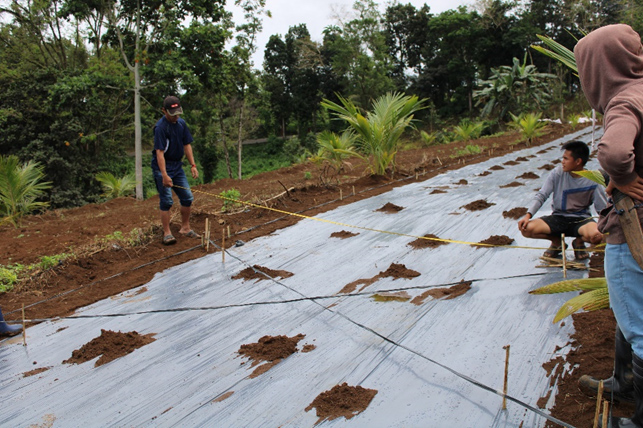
column 231, row 199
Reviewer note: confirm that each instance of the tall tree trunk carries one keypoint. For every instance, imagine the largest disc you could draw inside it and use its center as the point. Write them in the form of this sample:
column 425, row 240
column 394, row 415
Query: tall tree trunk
column 225, row 147
column 240, row 140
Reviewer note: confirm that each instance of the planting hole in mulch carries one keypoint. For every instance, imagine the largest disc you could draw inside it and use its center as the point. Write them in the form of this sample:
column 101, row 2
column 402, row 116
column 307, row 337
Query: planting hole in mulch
column 343, row 234
column 515, row 213
column 510, row 163
column 223, row 397
column 496, row 240
column 512, row 184
column 462, row 182
column 521, row 159
column 35, row 371
column 547, row 167
column 528, row 176
column 400, row 296
column 496, row 168
column 269, row 350
column 436, row 191
column 478, row 205
column 308, row 348
column 110, row 345
column 484, row 174
column 395, row 271
column 432, row 242
column 390, row 208
column 443, row 293
column 257, row 272
column 341, row 400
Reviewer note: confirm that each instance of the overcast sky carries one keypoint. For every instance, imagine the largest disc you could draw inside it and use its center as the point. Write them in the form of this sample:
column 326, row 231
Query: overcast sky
column 318, row 14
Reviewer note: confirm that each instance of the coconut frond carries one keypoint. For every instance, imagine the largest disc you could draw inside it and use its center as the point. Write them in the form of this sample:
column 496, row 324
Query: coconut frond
column 572, row 285
column 593, row 175
column 590, row 301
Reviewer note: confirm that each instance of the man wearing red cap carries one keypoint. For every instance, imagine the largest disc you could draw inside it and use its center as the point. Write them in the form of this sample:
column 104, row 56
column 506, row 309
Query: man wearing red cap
column 172, row 140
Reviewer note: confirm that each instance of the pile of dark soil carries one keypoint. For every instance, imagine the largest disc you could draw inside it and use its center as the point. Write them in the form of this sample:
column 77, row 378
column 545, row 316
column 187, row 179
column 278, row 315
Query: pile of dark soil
column 341, row 400
column 496, row 168
column 110, row 345
column 510, row 163
column 443, row 293
column 512, row 184
column 528, row 176
column 521, row 159
column 462, row 182
column 478, row 205
column 35, row 371
column 390, row 208
column 433, row 241
column 343, row 234
column 547, row 167
column 496, row 240
column 484, row 174
column 394, row 271
column 271, row 350
column 257, row 272
column 436, row 191
column 515, row 213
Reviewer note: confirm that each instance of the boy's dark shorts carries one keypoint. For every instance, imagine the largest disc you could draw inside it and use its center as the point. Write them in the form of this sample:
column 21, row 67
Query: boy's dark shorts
column 567, row 225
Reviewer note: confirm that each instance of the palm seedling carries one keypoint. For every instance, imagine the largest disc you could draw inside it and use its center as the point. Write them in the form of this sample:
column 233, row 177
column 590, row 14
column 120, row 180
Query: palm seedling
column 468, row 130
column 529, row 125
column 114, row 187
column 20, row 188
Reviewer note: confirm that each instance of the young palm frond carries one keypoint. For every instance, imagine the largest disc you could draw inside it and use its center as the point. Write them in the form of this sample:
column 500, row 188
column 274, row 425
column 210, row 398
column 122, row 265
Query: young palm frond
column 336, row 148
column 593, row 175
column 20, row 187
column 596, row 296
column 468, row 130
column 378, row 133
column 557, row 51
column 529, row 125
column 115, row 187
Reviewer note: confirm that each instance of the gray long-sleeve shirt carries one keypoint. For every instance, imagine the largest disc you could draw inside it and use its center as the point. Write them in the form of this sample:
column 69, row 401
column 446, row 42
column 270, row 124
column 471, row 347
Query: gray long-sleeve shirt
column 573, row 196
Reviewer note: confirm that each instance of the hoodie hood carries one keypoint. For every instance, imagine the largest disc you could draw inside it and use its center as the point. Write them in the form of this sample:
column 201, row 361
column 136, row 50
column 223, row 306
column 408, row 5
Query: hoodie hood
column 609, row 59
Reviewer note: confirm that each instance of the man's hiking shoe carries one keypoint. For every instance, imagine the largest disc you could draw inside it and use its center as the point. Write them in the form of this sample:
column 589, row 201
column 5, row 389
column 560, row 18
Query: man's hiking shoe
column 169, row 240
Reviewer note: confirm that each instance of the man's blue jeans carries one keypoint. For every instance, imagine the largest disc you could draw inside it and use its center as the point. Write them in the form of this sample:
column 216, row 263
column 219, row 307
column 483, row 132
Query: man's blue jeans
column 175, row 171
column 625, row 285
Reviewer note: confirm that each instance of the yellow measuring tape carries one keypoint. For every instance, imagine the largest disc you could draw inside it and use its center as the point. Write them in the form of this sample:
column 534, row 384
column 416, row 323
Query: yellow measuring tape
column 451, row 241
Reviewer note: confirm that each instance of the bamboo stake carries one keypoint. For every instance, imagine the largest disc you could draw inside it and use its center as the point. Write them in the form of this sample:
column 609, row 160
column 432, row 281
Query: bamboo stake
column 504, row 398
column 598, row 403
column 340, row 194
column 24, row 327
column 563, row 248
column 228, row 231
column 222, row 245
column 605, row 412
column 353, row 190
column 438, row 158
column 207, row 238
column 205, row 234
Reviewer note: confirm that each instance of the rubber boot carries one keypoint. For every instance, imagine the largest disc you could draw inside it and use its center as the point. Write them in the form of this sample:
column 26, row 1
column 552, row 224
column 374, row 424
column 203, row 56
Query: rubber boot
column 622, row 381
column 8, row 330
column 636, row 421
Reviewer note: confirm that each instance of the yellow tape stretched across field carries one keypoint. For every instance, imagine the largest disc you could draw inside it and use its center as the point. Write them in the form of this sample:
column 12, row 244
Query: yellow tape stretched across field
column 451, row 241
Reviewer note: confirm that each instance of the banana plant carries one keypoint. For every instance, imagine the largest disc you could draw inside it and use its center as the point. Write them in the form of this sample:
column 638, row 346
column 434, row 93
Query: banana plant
column 595, row 297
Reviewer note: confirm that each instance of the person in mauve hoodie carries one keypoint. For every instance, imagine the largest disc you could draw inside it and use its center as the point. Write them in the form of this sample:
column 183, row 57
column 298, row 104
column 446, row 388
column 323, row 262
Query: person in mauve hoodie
column 610, row 67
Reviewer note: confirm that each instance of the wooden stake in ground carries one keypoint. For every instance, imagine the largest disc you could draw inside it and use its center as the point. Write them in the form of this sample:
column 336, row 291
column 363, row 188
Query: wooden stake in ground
column 353, row 190
column 605, row 412
column 24, row 327
column 563, row 248
column 340, row 194
column 599, row 398
column 223, row 245
column 228, row 231
column 504, row 398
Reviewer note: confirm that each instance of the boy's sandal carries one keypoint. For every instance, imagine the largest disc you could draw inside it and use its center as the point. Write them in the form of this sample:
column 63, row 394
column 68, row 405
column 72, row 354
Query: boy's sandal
column 191, row 234
column 553, row 252
column 169, row 240
column 580, row 251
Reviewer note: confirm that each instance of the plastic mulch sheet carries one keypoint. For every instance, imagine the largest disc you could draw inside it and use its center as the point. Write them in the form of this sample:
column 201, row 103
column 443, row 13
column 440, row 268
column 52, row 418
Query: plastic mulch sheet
column 409, row 335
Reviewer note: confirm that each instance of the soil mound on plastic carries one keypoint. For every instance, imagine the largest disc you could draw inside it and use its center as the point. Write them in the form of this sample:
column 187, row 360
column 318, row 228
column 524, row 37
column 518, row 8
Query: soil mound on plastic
column 512, row 184
column 437, row 191
column 496, row 240
column 510, row 163
column 462, row 182
column 547, row 167
column 390, row 208
column 341, row 400
column 110, row 345
column 35, row 371
column 269, row 350
column 257, row 272
column 515, row 213
column 528, row 176
column 395, row 271
column 478, row 205
column 432, row 242
column 443, row 293
column 521, row 159
column 400, row 296
column 496, row 168
column 343, row 234
column 484, row 174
